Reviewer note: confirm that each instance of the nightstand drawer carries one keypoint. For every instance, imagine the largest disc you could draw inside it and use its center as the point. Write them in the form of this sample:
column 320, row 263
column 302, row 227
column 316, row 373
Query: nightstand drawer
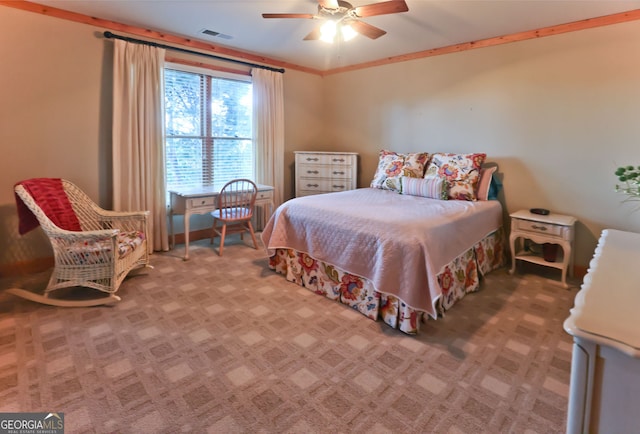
column 198, row 202
column 540, row 228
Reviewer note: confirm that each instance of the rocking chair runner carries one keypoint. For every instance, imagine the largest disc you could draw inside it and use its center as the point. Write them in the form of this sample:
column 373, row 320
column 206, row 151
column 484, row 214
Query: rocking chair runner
column 235, row 210
column 92, row 247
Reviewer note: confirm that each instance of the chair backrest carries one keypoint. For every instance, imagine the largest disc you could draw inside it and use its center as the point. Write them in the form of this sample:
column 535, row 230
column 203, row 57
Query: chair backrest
column 237, row 199
column 88, row 212
column 55, row 203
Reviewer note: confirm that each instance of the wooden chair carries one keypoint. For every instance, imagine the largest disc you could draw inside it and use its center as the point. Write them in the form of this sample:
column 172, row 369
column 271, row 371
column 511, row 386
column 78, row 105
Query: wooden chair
column 92, row 247
column 236, row 202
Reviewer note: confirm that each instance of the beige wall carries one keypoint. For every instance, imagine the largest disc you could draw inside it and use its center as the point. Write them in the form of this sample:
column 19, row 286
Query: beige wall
column 557, row 114
column 55, row 116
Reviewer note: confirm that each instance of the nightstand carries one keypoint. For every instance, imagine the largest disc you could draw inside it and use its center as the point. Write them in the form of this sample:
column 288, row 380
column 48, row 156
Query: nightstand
column 553, row 228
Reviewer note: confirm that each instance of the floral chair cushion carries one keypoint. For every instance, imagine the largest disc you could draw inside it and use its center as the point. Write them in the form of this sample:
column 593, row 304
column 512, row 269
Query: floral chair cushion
column 393, row 166
column 462, row 172
column 99, row 252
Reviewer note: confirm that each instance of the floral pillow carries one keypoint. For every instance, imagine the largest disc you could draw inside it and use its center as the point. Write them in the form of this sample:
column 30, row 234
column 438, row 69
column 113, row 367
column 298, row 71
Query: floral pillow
column 432, row 188
column 393, row 166
column 462, row 172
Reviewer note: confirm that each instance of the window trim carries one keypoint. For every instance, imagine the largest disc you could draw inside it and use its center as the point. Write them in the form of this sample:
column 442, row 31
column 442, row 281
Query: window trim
column 206, row 71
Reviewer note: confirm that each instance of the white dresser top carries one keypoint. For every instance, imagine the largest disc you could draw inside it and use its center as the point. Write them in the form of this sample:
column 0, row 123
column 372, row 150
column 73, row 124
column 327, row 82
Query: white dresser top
column 607, row 307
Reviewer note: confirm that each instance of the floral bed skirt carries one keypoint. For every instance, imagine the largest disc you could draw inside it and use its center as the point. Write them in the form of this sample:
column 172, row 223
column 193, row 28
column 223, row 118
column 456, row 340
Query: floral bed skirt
column 459, row 277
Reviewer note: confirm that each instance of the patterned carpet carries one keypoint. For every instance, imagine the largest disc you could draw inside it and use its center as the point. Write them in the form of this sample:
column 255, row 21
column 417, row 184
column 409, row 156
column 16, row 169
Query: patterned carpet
column 225, row 345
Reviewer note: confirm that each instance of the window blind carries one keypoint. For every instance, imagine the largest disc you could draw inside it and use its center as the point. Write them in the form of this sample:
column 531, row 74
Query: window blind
column 208, row 130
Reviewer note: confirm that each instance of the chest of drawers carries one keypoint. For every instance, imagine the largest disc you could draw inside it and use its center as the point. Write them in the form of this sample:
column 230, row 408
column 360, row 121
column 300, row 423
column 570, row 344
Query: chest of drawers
column 325, row 172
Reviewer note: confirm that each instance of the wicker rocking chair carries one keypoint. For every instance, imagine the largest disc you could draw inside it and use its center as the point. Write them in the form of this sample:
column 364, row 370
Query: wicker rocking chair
column 92, row 247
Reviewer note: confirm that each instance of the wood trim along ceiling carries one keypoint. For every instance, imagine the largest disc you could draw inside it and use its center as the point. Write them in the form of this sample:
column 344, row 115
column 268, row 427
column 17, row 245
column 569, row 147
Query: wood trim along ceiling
column 575, row 26
column 152, row 34
column 589, row 23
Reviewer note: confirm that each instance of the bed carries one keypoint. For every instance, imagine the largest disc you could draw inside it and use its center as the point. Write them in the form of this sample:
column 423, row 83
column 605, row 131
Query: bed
column 393, row 257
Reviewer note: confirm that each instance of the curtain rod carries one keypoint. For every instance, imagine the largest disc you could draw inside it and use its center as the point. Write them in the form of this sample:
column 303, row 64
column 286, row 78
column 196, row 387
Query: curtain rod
column 110, row 35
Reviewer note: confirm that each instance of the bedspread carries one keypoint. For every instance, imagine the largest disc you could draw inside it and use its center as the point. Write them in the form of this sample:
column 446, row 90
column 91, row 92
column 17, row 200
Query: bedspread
column 399, row 242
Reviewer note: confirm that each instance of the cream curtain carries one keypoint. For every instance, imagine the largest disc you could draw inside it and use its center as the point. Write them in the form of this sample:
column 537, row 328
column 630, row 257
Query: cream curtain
column 268, row 129
column 138, row 155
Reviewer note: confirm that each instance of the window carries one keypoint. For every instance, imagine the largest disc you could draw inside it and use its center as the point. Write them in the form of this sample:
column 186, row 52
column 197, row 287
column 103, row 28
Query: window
column 208, row 138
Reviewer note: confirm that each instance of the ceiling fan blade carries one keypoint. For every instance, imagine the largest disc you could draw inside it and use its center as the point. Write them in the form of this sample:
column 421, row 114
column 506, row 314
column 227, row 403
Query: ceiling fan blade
column 314, row 35
column 367, row 30
column 288, row 16
column 383, row 8
column 329, row 4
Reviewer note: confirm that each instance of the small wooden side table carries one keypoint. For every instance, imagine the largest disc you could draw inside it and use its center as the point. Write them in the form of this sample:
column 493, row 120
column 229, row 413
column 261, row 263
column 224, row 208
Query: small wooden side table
column 553, row 228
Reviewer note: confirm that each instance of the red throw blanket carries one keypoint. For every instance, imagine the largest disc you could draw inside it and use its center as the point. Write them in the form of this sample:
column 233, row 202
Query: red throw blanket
column 49, row 194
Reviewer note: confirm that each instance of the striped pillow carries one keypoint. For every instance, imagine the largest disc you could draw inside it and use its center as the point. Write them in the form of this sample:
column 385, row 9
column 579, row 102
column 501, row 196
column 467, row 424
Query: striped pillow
column 432, row 188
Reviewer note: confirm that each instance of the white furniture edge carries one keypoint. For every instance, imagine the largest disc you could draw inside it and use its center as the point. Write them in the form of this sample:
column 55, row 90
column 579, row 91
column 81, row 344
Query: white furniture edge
column 576, row 324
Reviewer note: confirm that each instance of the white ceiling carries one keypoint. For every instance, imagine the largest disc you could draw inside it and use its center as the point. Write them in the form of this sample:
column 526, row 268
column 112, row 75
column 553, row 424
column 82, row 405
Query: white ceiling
column 428, row 24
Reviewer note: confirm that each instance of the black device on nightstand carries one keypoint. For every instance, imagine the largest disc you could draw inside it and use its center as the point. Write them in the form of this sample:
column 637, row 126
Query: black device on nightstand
column 540, row 211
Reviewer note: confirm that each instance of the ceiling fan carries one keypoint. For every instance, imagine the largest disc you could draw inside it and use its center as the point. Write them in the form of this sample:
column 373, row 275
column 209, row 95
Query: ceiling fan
column 342, row 18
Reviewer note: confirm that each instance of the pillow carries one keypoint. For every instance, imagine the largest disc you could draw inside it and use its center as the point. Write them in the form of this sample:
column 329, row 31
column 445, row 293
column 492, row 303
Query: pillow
column 462, row 172
column 432, row 188
column 494, row 188
column 486, row 174
column 393, row 166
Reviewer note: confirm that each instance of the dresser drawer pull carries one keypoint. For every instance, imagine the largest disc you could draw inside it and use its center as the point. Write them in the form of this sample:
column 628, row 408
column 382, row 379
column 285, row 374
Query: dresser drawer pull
column 338, row 160
column 338, row 186
column 541, row 228
column 312, row 159
column 312, row 185
column 338, row 173
column 312, row 171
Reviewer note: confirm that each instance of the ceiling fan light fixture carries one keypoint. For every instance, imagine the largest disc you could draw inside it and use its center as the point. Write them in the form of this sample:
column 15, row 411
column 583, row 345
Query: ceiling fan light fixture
column 343, row 20
column 347, row 32
column 328, row 31
column 332, row 30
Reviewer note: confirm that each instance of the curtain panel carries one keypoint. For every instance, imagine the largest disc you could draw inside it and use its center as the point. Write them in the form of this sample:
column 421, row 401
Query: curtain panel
column 268, row 129
column 138, row 135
